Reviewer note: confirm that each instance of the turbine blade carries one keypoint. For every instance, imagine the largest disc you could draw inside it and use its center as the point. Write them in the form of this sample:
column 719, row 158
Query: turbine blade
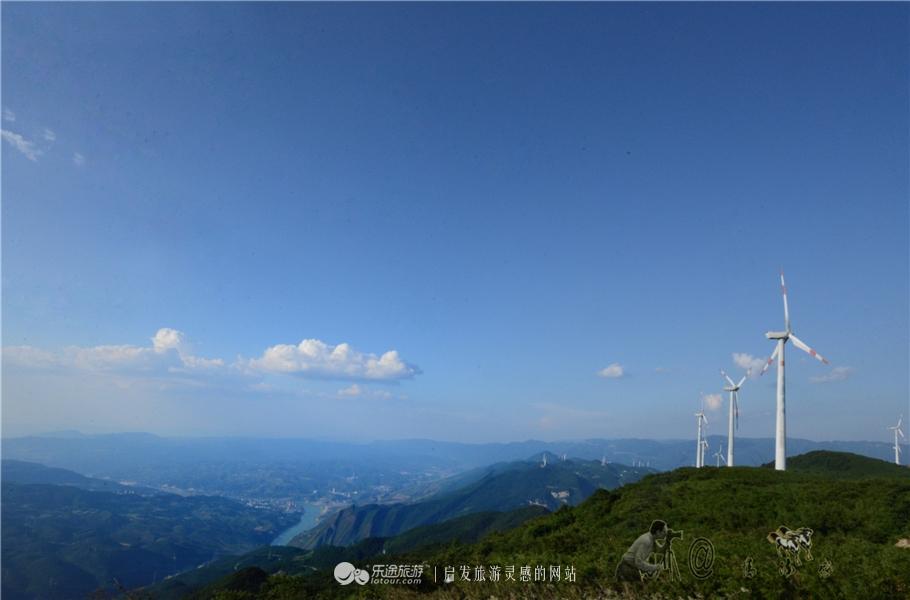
column 783, row 289
column 741, row 381
column 802, row 346
column 724, row 373
column 770, row 360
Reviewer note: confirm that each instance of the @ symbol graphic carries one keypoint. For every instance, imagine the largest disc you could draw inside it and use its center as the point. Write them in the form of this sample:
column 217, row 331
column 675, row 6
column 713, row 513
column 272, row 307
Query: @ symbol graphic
column 701, row 558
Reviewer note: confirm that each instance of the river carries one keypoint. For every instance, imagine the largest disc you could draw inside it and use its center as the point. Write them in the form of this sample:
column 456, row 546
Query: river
column 307, row 521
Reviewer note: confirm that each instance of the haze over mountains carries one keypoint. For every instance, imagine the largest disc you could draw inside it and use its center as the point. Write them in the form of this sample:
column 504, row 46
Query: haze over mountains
column 166, row 458
column 498, row 488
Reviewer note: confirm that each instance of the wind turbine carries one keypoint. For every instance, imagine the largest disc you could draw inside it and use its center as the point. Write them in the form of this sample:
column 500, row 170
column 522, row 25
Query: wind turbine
column 719, row 455
column 733, row 388
column 780, row 446
column 897, row 446
column 700, row 444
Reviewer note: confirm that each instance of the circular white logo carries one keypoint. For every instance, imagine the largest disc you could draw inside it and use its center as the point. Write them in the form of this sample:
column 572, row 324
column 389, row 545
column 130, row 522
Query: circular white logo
column 345, row 573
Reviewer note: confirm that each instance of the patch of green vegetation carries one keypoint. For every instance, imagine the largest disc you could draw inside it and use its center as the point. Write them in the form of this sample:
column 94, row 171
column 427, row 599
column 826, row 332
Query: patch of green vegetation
column 843, row 465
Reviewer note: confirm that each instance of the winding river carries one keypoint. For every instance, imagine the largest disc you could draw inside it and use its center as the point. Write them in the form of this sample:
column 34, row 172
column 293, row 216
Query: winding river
column 307, row 521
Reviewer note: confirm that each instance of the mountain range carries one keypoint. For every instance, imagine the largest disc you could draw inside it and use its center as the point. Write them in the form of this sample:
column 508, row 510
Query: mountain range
column 545, row 481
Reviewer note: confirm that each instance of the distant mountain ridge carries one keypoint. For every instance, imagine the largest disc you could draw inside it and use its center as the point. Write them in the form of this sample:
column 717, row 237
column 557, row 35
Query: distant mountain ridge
column 499, row 487
column 23, row 472
column 120, row 455
column 843, row 465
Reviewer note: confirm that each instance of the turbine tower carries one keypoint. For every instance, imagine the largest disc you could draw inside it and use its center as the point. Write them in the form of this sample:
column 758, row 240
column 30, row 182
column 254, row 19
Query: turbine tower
column 780, row 446
column 733, row 388
column 700, row 444
column 897, row 446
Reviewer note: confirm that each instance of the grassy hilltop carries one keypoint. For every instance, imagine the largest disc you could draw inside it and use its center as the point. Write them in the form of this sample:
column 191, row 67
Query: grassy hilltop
column 857, row 509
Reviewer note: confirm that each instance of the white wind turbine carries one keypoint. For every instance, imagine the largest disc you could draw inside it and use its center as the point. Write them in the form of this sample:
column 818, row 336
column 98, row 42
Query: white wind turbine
column 700, row 444
column 897, row 446
column 733, row 388
column 719, row 455
column 780, row 446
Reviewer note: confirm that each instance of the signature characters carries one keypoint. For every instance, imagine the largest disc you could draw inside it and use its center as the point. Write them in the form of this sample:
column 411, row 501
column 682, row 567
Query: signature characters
column 635, row 566
column 789, row 543
column 634, row 562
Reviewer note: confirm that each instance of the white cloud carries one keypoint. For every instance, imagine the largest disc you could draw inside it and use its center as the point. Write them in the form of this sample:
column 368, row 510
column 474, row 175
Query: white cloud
column 352, row 391
column 358, row 391
column 29, row 356
column 167, row 354
column 612, row 371
column 713, row 401
column 315, row 358
column 168, row 339
column 110, row 358
column 21, row 144
column 49, row 135
column 78, row 159
column 747, row 361
column 168, row 359
column 836, row 374
column 9, row 115
column 199, row 363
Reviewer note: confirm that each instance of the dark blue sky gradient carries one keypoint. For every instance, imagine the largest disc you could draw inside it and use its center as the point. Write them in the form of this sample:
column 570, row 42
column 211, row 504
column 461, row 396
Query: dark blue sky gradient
column 513, row 196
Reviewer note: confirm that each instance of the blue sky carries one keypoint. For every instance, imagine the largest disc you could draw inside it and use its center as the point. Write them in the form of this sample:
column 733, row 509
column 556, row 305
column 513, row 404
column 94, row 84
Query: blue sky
column 487, row 204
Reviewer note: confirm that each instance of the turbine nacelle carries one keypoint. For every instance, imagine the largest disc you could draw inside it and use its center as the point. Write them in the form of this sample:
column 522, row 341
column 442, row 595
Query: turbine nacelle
column 777, row 335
